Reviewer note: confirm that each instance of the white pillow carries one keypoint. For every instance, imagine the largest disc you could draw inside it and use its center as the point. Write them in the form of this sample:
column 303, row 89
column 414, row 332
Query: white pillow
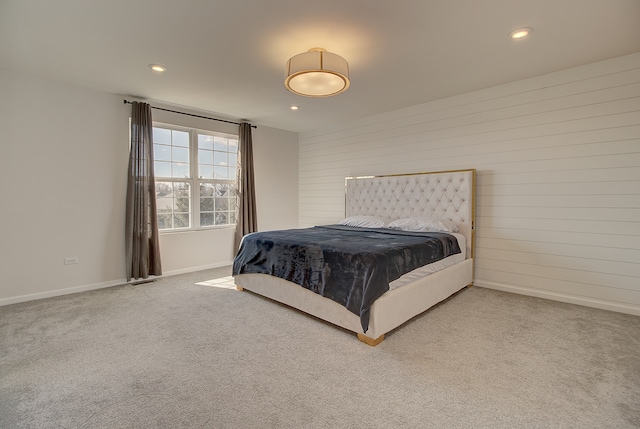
column 363, row 221
column 423, row 224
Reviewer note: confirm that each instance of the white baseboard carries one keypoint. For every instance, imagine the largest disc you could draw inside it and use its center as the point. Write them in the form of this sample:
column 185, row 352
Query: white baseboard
column 59, row 292
column 555, row 296
column 194, row 269
column 93, row 286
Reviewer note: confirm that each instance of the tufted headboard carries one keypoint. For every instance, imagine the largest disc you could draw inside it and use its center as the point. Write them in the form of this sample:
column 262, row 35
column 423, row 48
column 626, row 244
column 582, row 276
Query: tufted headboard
column 447, row 195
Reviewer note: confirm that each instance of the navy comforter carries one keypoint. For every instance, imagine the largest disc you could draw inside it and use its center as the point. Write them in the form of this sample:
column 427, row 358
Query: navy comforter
column 352, row 266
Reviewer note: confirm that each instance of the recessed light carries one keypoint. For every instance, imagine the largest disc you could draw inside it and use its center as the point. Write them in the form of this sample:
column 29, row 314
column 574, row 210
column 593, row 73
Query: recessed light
column 520, row 33
column 294, row 107
column 157, row 68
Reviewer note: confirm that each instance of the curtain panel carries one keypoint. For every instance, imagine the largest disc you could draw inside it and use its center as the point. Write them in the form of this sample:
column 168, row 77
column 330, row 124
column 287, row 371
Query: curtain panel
column 141, row 229
column 247, row 220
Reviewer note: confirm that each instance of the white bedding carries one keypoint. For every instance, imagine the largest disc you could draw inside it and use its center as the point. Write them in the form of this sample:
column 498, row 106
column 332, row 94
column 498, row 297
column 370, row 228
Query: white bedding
column 424, row 271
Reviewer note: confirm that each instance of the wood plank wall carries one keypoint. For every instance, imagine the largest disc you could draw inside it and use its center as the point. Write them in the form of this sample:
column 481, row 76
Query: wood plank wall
column 558, row 162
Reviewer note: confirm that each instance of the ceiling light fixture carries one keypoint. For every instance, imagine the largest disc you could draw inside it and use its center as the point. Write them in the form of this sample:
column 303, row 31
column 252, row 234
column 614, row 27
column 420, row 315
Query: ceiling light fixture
column 157, row 68
column 520, row 33
column 317, row 73
column 294, row 107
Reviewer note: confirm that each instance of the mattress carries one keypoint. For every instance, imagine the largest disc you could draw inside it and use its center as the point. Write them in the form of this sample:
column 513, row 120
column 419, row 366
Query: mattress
column 425, row 270
column 349, row 265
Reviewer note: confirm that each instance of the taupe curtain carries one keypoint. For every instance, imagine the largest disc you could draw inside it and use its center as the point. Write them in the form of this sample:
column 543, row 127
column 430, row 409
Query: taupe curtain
column 247, row 219
column 141, row 229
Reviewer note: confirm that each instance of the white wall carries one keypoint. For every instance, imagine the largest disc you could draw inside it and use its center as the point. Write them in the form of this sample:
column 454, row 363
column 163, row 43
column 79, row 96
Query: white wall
column 63, row 181
column 558, row 160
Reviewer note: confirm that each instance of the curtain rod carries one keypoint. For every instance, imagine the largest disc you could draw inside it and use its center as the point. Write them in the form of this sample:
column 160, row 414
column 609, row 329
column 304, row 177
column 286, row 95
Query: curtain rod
column 191, row 114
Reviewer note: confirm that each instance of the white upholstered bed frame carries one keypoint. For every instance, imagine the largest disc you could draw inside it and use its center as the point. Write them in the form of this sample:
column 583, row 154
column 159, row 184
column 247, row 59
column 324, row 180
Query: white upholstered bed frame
column 448, row 195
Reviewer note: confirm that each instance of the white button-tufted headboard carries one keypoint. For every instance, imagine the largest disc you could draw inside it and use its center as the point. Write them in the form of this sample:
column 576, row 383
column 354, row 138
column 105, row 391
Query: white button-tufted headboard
column 448, row 195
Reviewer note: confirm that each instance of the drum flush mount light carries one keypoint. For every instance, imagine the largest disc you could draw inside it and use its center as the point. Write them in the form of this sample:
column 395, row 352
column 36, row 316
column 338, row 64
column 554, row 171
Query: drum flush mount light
column 317, row 73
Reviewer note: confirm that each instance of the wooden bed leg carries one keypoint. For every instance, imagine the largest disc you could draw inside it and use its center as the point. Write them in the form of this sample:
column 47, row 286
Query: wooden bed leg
column 370, row 341
column 239, row 288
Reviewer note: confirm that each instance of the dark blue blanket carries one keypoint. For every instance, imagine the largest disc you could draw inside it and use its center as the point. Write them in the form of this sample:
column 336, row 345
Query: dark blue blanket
column 352, row 266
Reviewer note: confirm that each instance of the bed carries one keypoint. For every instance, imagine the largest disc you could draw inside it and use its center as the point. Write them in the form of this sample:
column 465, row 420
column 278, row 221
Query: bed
column 447, row 198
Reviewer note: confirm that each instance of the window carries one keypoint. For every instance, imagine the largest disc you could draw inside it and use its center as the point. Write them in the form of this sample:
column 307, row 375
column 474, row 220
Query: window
column 195, row 178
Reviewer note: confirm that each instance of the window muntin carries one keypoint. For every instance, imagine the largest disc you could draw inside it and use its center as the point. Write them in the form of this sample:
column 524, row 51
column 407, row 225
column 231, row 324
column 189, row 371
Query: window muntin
column 173, row 202
column 217, row 163
column 195, row 178
column 171, row 153
column 217, row 203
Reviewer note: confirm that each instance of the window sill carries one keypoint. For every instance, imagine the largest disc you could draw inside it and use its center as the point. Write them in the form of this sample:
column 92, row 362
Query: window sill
column 191, row 230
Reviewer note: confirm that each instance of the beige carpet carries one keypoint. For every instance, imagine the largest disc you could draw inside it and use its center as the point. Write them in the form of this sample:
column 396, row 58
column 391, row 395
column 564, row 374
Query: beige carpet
column 177, row 354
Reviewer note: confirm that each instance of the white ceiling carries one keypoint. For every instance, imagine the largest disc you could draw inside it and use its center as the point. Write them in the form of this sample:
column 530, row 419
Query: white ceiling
column 227, row 57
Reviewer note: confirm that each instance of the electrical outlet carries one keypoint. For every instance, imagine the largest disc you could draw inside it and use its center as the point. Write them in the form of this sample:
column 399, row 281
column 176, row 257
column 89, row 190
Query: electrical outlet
column 70, row 260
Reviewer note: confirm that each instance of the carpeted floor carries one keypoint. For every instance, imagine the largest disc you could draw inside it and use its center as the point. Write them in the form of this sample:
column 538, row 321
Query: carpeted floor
column 177, row 354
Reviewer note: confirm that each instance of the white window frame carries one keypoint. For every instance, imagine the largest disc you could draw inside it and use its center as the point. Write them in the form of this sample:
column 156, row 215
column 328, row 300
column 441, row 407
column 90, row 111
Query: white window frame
column 194, row 181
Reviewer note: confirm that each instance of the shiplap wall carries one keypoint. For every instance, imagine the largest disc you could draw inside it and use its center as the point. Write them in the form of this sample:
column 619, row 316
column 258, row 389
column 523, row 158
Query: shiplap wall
column 558, row 177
